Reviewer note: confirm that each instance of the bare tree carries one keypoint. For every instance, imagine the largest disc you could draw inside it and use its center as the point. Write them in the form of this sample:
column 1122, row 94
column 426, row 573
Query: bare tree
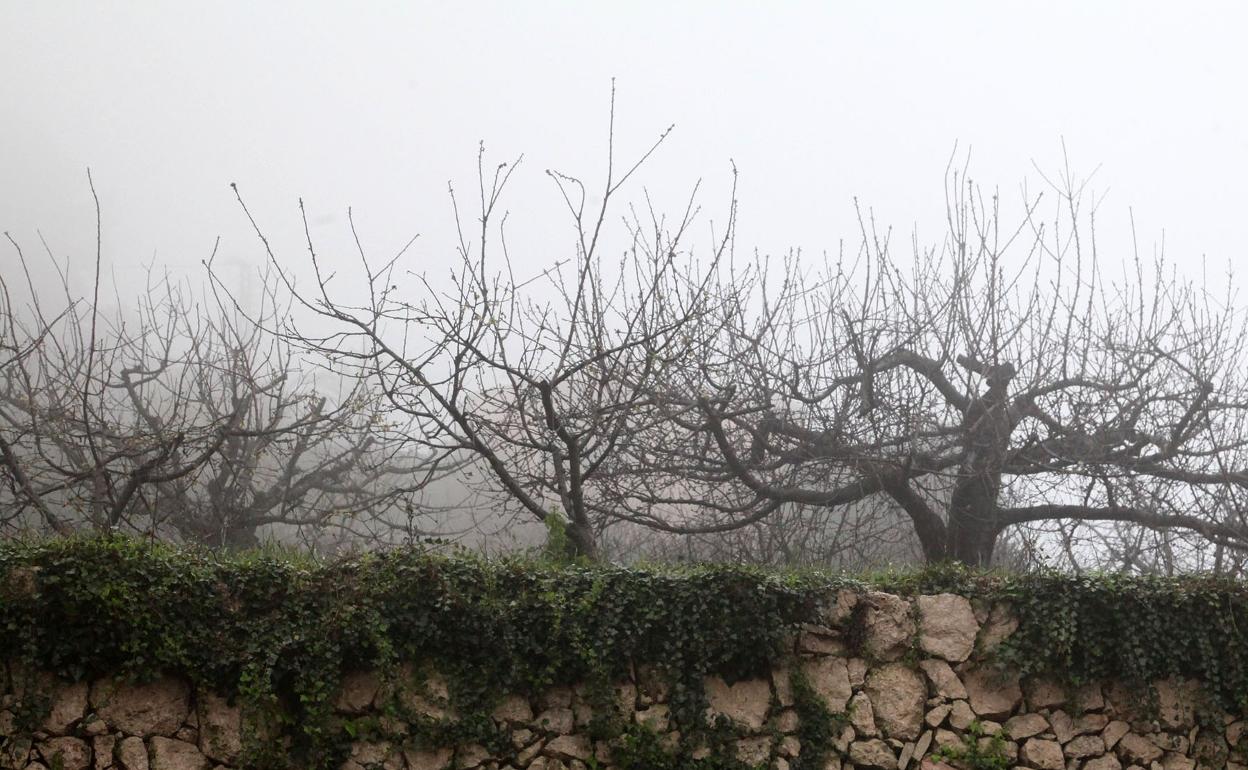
column 533, row 381
column 997, row 383
column 174, row 416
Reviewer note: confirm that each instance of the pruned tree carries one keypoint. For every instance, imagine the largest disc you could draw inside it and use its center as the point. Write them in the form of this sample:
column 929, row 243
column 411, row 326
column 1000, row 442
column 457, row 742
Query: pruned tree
column 533, row 382
column 172, row 415
column 996, row 383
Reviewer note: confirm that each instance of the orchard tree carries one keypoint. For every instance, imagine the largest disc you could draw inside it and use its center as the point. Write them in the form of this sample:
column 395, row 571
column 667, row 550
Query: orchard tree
column 172, row 415
column 997, row 383
column 531, row 383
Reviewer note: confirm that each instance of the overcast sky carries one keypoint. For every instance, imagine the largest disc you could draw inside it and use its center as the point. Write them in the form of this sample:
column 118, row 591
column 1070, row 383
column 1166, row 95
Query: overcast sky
column 378, row 105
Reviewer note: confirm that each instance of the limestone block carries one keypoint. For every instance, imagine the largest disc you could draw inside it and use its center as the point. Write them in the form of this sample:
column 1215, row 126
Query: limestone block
column 1026, row 726
column 1210, row 749
column 753, row 751
column 781, row 682
column 873, row 753
column 829, row 678
column 888, row 626
column 1105, row 762
column 745, row 702
column 1137, row 749
column 65, row 753
column 1001, row 623
column 132, row 754
column 433, row 759
column 947, row 626
column 993, row 694
column 153, row 708
column 945, row 683
column 569, row 747
column 897, row 695
column 220, row 728
column 960, row 715
column 838, row 609
column 1063, row 726
column 857, row 668
column 102, row 747
column 1043, row 693
column 936, row 716
column 1043, row 754
column 1084, row 746
column 555, row 720
column 1113, row 732
column 170, row 754
column 788, row 721
column 1176, row 702
column 819, row 640
column 1175, row 761
column 513, row 708
column 69, row 701
column 790, row 746
column 862, row 716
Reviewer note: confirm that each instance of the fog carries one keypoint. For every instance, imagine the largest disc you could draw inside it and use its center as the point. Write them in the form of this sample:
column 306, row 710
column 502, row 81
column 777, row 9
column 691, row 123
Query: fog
column 379, row 106
column 797, row 122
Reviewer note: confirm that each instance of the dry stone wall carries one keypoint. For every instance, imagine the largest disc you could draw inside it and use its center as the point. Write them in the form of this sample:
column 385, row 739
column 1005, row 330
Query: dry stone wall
column 913, row 685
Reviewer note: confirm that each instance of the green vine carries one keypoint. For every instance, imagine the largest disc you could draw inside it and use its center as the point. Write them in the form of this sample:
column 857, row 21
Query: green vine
column 975, row 753
column 278, row 631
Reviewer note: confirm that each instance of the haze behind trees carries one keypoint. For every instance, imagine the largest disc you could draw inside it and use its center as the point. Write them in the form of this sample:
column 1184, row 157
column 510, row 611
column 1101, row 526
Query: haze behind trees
column 1001, row 395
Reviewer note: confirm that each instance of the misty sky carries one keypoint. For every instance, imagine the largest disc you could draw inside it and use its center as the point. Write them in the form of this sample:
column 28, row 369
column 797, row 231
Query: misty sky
column 378, row 105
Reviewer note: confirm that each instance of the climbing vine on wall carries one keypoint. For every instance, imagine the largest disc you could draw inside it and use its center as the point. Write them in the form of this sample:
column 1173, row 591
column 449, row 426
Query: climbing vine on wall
column 280, row 630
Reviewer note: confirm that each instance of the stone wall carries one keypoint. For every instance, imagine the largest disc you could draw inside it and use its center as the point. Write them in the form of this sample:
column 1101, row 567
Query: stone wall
column 914, row 687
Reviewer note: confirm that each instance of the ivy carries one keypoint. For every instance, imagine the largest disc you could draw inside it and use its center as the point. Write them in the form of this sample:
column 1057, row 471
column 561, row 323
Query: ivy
column 278, row 631
column 977, row 752
column 817, row 726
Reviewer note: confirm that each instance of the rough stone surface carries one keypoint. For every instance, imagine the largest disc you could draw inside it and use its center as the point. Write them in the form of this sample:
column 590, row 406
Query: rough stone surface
column 888, row 625
column 945, row 683
column 1176, row 703
column 993, row 694
column 154, row 708
column 862, row 716
column 744, row 702
column 69, row 702
column 132, row 754
column 960, row 715
column 1106, row 762
column 753, row 751
column 1001, row 623
column 569, row 747
column 1138, row 749
column 103, row 746
column 947, row 626
column 1043, row 754
column 220, row 728
column 1043, row 693
column 914, row 694
column 555, row 720
column 897, row 695
column 434, row 759
column 1084, row 746
column 1113, row 733
column 1025, row 726
column 170, row 754
column 874, row 753
column 829, row 678
column 66, row 753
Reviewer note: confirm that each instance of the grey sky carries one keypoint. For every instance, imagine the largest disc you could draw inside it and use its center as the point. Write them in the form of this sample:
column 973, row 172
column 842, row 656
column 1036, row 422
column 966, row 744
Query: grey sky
column 378, row 105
